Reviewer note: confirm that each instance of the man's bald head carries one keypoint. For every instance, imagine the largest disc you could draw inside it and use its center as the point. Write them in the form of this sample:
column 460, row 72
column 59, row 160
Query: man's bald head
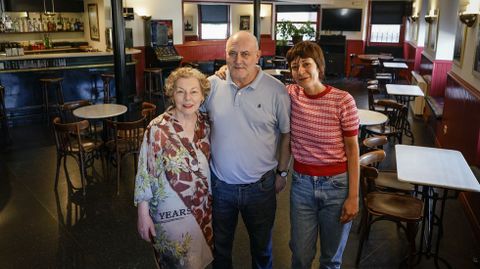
column 242, row 36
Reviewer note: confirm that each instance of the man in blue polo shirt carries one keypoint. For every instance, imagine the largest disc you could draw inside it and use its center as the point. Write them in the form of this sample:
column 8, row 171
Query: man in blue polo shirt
column 250, row 118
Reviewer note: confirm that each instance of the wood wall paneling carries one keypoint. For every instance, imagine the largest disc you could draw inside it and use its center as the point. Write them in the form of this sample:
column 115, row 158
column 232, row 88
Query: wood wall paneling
column 461, row 116
column 438, row 69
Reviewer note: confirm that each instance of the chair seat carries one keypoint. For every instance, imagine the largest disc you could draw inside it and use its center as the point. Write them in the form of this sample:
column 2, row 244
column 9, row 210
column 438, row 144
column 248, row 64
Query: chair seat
column 390, row 180
column 88, row 145
column 382, row 130
column 404, row 207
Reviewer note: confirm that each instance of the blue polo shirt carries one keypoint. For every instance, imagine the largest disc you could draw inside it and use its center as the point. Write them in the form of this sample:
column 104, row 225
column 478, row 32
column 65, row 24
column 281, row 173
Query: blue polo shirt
column 245, row 126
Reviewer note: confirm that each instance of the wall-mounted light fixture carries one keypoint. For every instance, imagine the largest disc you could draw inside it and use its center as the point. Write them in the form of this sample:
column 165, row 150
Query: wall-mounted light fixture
column 413, row 18
column 468, row 18
column 146, row 18
column 430, row 18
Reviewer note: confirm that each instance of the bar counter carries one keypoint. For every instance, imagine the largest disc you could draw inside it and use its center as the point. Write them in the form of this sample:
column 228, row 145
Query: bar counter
column 80, row 71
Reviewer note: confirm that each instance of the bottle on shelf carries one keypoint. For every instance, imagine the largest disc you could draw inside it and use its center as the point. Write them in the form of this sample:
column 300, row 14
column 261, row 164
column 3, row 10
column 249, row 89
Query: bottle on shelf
column 8, row 24
column 30, row 25
column 2, row 25
column 59, row 24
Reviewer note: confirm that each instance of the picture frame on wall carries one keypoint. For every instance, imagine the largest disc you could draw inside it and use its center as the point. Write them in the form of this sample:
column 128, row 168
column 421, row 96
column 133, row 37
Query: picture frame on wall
column 476, row 62
column 244, row 24
column 459, row 47
column 188, row 24
column 93, row 22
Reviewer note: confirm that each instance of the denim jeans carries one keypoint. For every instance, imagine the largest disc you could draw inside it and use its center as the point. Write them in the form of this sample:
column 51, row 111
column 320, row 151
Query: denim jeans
column 315, row 208
column 257, row 203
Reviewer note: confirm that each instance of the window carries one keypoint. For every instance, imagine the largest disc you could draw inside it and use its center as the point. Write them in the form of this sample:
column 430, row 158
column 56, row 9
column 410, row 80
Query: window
column 387, row 21
column 299, row 15
column 385, row 33
column 214, row 23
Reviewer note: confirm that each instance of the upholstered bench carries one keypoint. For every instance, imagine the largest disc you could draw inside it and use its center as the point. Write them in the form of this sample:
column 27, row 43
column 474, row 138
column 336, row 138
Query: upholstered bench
column 435, row 104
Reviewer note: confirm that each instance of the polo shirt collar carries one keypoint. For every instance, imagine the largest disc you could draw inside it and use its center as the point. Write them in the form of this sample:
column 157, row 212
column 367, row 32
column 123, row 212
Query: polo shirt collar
column 252, row 85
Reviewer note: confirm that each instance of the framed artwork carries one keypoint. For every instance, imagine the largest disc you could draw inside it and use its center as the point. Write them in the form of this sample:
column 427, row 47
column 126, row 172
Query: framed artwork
column 93, row 22
column 476, row 62
column 188, row 23
column 460, row 37
column 244, row 23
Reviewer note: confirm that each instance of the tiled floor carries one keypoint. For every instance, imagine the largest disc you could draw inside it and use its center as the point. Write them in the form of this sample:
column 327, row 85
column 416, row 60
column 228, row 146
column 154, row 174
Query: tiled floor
column 40, row 228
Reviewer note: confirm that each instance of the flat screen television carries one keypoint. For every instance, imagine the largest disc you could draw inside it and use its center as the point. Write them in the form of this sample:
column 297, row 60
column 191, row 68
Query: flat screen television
column 341, row 19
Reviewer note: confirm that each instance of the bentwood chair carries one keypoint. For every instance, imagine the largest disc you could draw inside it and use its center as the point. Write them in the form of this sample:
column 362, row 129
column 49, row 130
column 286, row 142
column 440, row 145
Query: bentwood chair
column 125, row 139
column 149, row 111
column 405, row 210
column 397, row 121
column 70, row 143
column 66, row 110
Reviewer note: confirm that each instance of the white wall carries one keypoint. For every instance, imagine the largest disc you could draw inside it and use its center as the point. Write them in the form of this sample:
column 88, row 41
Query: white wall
column 158, row 9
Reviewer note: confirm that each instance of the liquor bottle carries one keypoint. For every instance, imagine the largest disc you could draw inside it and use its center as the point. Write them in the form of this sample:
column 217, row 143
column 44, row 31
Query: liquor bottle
column 8, row 24
column 80, row 25
column 16, row 25
column 59, row 24
column 51, row 25
column 44, row 24
column 36, row 25
column 2, row 25
column 30, row 25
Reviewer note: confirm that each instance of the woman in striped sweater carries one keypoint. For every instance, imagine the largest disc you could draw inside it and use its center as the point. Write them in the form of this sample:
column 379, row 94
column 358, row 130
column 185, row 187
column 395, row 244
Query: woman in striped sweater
column 324, row 143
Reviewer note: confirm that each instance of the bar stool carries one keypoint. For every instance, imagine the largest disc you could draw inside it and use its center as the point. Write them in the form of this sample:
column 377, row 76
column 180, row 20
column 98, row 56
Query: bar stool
column 154, row 84
column 4, row 135
column 106, row 78
column 54, row 83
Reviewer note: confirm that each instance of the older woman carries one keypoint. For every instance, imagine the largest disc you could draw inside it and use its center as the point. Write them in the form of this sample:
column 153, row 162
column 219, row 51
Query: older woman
column 324, row 193
column 172, row 187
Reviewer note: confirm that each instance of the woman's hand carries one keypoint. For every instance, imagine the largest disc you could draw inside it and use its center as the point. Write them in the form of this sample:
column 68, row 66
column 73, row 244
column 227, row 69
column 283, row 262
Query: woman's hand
column 145, row 225
column 350, row 209
column 222, row 72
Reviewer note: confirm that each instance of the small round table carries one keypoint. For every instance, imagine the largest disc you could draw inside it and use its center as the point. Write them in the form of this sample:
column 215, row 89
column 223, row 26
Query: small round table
column 369, row 117
column 100, row 111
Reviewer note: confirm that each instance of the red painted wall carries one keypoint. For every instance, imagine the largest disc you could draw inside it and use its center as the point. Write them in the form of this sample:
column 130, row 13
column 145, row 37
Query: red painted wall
column 353, row 46
column 211, row 50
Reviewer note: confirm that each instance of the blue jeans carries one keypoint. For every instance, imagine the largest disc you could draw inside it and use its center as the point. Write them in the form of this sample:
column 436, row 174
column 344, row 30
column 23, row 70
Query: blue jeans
column 257, row 203
column 315, row 208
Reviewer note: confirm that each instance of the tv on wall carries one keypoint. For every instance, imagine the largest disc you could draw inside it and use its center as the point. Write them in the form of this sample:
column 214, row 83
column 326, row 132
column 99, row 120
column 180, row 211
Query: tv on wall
column 342, row 19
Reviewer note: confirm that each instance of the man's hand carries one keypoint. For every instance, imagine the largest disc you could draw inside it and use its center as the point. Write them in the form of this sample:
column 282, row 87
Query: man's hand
column 280, row 183
column 222, row 72
column 350, row 210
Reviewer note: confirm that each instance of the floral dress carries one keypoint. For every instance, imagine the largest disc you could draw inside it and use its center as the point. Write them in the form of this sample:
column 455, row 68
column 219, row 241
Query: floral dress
column 174, row 177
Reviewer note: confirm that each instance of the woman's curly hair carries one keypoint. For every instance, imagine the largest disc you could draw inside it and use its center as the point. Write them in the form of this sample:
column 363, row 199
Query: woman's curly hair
column 186, row 72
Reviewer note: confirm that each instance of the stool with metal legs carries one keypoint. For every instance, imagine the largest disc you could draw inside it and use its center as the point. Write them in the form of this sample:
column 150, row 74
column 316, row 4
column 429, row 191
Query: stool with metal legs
column 107, row 77
column 154, row 84
column 53, row 83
